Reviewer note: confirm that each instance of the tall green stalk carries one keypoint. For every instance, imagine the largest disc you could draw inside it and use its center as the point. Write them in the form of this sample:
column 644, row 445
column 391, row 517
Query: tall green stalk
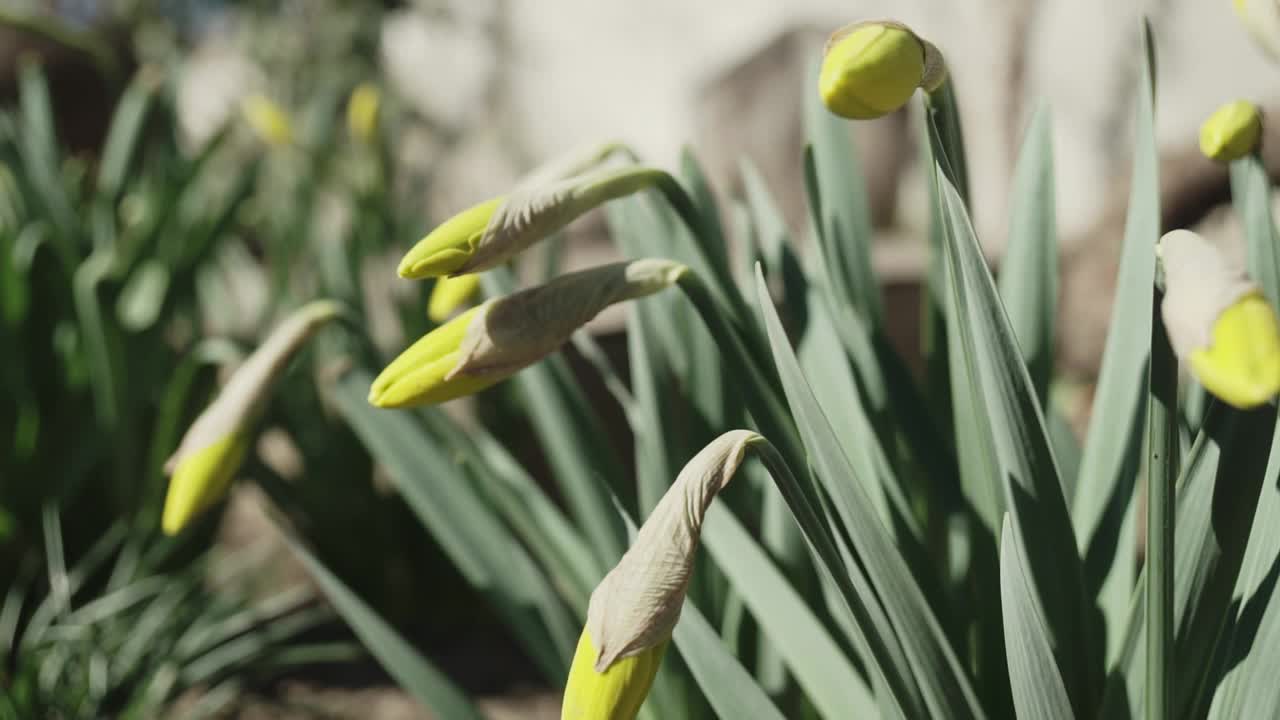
column 1162, row 476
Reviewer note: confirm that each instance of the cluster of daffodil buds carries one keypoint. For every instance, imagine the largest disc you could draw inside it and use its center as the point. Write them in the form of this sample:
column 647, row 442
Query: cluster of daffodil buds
column 870, row 69
column 1219, row 322
column 489, row 343
column 633, row 611
column 488, row 234
column 1262, row 19
column 267, row 120
column 1231, row 132
column 210, row 453
column 362, row 112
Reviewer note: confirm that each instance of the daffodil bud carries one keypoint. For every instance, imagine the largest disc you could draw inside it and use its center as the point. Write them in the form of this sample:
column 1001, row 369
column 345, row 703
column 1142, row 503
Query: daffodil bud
column 635, row 608
column 489, row 343
column 267, row 119
column 1219, row 322
column 1262, row 19
column 870, row 69
column 202, row 467
column 451, row 293
column 362, row 112
column 486, row 235
column 1231, row 132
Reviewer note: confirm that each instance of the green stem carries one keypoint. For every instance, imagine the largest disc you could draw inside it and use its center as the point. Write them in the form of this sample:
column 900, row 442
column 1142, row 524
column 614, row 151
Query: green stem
column 763, row 396
column 944, row 112
column 1162, row 474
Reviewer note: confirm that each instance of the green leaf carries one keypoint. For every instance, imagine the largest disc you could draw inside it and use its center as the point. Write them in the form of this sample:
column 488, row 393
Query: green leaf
column 924, row 663
column 412, row 671
column 1008, row 427
column 1253, row 632
column 1218, row 493
column 1038, row 691
column 730, row 689
column 467, row 529
column 1113, row 445
column 841, row 211
column 807, row 647
column 1029, row 271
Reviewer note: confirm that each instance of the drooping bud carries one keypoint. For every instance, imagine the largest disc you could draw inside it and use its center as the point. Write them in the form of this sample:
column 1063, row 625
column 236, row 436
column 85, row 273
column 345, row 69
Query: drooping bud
column 870, row 69
column 1219, row 322
column 451, row 293
column 362, row 112
column 486, row 235
column 1231, row 132
column 635, row 608
column 202, row 467
column 267, row 119
column 489, row 343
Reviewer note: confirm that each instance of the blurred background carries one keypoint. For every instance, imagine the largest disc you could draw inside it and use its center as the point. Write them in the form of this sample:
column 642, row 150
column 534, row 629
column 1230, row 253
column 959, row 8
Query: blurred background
column 145, row 213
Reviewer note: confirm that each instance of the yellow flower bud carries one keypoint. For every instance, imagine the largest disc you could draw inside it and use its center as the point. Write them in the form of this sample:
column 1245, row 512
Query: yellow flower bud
column 1262, row 19
column 615, row 694
column 211, row 451
column 267, row 119
column 633, row 611
column 1219, row 322
column 486, row 235
column 362, row 112
column 200, row 479
column 447, row 248
column 1242, row 365
column 492, row 342
column 1231, row 132
column 870, row 69
column 451, row 293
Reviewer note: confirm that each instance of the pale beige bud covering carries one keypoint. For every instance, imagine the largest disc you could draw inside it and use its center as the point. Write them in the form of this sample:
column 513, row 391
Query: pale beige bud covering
column 637, row 604
column 542, row 202
column 1200, row 284
column 250, row 384
column 516, row 330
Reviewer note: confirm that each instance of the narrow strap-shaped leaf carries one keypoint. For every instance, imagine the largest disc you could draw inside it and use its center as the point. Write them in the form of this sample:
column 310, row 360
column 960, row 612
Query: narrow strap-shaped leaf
column 1253, row 634
column 1113, row 446
column 730, row 689
column 1029, row 271
column 1038, row 692
column 1218, row 493
column 1009, row 428
column 931, row 663
column 467, row 529
column 843, row 215
column 809, row 650
column 413, row 672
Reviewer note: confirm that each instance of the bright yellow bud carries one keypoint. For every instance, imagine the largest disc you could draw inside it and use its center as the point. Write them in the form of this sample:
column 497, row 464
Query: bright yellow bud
column 1231, row 132
column 1242, row 365
column 447, row 248
column 200, row 479
column 1219, row 322
column 615, row 694
column 871, row 69
column 492, row 342
column 362, row 112
column 451, row 293
column 633, row 611
column 268, row 120
column 487, row 235
column 213, row 447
